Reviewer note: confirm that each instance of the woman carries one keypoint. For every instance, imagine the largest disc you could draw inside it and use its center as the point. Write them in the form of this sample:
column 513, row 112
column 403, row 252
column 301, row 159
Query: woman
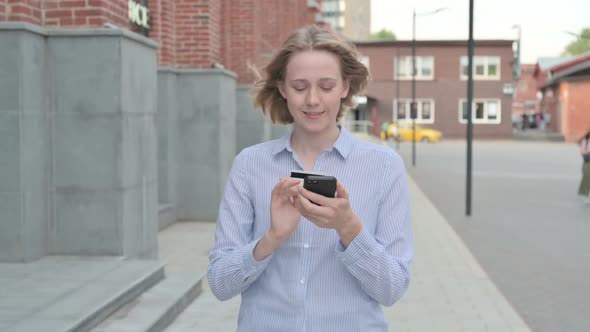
column 584, row 189
column 300, row 266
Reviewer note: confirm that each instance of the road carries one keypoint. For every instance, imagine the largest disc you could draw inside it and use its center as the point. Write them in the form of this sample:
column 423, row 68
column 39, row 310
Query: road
column 528, row 228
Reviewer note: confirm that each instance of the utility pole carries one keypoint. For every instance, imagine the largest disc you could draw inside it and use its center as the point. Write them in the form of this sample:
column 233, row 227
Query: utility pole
column 396, row 106
column 470, row 46
column 413, row 106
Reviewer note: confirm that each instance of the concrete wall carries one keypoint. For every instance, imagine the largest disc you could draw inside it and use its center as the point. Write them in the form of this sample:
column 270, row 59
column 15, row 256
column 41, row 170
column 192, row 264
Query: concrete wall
column 104, row 92
column 84, row 168
column 24, row 147
column 167, row 122
column 252, row 126
column 78, row 143
column 206, row 101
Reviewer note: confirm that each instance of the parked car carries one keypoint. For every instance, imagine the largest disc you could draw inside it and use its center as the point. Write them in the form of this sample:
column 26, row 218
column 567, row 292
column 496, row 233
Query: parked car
column 403, row 131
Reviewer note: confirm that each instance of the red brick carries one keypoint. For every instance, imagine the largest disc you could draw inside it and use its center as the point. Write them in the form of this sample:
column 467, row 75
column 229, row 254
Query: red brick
column 72, row 4
column 52, row 23
column 97, row 3
column 88, row 12
column 95, row 21
column 50, row 5
column 58, row 13
column 73, row 22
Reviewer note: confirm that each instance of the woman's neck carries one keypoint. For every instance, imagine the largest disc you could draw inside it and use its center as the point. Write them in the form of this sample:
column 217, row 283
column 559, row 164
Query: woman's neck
column 306, row 144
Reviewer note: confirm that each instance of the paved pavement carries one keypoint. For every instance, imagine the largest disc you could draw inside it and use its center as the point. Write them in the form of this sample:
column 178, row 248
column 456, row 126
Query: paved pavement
column 449, row 289
column 528, row 229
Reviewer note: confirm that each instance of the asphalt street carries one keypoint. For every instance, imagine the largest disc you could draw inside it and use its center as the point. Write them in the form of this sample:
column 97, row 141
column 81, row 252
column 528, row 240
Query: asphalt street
column 528, row 229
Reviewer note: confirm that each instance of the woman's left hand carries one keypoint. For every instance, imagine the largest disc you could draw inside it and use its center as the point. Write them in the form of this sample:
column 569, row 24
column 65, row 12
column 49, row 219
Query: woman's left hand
column 334, row 213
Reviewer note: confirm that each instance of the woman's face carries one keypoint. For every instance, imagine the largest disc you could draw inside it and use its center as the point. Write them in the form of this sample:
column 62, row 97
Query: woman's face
column 314, row 88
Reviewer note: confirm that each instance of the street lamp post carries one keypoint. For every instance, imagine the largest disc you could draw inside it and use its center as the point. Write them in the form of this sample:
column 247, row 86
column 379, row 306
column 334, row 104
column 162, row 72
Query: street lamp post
column 413, row 104
column 516, row 69
column 470, row 51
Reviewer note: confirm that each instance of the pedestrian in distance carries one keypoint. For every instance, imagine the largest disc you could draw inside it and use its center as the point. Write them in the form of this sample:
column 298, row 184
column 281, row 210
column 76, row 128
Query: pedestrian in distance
column 299, row 266
column 584, row 189
column 525, row 121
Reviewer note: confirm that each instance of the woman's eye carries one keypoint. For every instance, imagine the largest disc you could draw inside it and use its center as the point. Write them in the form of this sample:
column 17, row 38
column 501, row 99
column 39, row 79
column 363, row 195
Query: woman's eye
column 327, row 88
column 297, row 88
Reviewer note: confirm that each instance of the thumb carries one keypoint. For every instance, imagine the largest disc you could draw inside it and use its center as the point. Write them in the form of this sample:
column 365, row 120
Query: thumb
column 340, row 191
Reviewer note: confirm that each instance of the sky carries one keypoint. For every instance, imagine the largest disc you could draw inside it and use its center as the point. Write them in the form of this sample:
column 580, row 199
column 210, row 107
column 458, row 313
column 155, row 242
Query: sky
column 542, row 22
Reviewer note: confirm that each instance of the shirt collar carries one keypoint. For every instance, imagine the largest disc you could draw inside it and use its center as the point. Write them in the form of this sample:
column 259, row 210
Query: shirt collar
column 343, row 144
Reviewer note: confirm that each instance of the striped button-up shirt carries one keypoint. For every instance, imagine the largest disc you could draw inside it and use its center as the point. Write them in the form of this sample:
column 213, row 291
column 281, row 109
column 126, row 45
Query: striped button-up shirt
column 312, row 282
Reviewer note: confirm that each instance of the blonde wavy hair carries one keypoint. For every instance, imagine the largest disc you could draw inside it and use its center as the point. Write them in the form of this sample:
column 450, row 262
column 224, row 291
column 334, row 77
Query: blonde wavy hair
column 267, row 96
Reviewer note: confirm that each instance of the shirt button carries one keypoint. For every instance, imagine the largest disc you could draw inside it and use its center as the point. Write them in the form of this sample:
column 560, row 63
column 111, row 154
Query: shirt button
column 306, row 245
column 302, row 281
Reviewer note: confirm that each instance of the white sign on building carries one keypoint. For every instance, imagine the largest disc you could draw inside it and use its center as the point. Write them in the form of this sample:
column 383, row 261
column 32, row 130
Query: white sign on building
column 138, row 14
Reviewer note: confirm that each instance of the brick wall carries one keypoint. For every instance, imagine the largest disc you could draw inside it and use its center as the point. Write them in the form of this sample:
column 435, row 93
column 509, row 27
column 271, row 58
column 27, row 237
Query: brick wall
column 525, row 91
column 22, row 11
column 84, row 13
column 163, row 29
column 447, row 88
column 191, row 33
column 255, row 34
column 243, row 36
column 577, row 109
column 197, row 23
column 3, row 10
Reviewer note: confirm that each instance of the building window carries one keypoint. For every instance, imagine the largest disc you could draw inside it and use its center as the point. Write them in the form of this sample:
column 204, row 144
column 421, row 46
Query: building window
column 425, row 112
column 333, row 11
column 424, row 67
column 484, row 67
column 484, row 111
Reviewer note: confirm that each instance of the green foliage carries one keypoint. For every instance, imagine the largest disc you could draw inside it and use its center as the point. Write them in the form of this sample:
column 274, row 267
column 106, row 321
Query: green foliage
column 580, row 45
column 382, row 34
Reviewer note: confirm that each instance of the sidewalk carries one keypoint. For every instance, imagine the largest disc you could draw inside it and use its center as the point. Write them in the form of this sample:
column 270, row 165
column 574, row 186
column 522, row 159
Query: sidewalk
column 449, row 291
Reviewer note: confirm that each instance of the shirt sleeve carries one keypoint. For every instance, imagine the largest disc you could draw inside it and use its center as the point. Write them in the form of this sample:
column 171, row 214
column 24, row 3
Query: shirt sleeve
column 381, row 261
column 232, row 266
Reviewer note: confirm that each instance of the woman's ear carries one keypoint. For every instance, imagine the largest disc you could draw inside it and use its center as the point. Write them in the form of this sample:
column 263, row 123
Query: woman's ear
column 345, row 88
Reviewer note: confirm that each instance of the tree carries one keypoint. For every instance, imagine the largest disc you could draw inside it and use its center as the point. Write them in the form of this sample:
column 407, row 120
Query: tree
column 382, row 34
column 580, row 45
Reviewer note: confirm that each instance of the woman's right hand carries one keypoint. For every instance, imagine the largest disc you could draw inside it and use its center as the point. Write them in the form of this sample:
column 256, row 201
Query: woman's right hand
column 284, row 216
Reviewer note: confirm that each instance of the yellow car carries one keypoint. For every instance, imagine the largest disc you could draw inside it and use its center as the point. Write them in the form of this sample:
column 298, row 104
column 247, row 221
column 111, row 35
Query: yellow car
column 404, row 132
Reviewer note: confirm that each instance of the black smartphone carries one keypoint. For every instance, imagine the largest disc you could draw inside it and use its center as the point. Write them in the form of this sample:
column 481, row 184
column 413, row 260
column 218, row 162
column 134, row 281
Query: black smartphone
column 320, row 184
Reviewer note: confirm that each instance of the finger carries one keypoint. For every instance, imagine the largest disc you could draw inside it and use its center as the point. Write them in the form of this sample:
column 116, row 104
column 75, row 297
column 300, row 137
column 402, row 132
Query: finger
column 310, row 209
column 292, row 191
column 289, row 181
column 340, row 191
column 305, row 205
column 285, row 184
column 296, row 203
column 317, row 198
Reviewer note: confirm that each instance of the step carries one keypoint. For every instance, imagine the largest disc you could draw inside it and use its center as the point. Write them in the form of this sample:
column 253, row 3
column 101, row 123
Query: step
column 92, row 290
column 155, row 309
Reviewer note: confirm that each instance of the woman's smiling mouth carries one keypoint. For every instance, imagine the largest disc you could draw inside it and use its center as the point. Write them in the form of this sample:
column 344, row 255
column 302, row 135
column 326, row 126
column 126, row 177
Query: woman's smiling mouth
column 313, row 115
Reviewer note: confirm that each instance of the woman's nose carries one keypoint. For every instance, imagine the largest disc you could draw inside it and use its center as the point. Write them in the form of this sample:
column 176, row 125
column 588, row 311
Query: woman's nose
column 312, row 96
